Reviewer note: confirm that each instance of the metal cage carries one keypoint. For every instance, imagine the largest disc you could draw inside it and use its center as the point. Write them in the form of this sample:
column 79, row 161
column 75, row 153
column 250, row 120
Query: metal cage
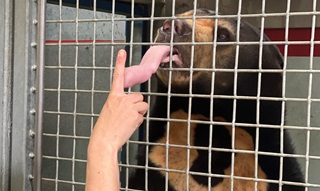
column 65, row 70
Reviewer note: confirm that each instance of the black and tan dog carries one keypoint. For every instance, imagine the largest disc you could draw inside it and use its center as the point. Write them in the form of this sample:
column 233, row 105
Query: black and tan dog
column 179, row 168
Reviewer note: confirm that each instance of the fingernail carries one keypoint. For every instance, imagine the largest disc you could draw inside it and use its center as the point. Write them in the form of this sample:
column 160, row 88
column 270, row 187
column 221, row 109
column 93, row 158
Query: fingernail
column 121, row 52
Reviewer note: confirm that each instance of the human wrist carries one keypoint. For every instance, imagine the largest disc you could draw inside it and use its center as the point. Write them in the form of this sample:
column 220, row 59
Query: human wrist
column 102, row 167
column 101, row 147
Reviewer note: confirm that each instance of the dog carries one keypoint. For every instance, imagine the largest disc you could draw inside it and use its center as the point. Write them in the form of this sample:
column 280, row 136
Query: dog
column 215, row 119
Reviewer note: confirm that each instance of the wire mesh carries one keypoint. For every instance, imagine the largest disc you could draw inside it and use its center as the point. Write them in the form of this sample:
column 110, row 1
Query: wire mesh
column 81, row 46
column 77, row 83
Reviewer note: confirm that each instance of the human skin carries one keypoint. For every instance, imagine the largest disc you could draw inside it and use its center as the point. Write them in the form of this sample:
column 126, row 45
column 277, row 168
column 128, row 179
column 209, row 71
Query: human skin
column 119, row 118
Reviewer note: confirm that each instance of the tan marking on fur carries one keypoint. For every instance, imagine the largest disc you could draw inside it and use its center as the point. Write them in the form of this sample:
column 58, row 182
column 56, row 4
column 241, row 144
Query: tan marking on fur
column 177, row 158
column 187, row 13
column 243, row 163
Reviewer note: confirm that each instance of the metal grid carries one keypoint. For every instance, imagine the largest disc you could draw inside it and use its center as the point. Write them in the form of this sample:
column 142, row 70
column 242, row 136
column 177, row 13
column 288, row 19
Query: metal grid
column 76, row 88
column 75, row 91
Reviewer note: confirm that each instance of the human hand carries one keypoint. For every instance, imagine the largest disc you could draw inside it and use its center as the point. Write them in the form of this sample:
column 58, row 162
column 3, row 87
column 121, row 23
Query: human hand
column 121, row 114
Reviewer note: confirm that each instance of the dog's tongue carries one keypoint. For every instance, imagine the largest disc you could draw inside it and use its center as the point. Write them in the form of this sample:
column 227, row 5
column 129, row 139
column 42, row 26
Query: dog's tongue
column 149, row 64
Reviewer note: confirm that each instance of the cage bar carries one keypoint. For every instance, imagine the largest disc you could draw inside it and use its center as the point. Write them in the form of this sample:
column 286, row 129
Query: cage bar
column 60, row 74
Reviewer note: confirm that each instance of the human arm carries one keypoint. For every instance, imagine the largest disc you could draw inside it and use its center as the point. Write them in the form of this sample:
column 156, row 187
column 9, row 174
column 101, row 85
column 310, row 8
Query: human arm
column 120, row 116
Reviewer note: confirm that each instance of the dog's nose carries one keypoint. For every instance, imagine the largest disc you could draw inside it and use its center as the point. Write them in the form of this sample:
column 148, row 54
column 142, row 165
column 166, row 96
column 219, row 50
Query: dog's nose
column 178, row 27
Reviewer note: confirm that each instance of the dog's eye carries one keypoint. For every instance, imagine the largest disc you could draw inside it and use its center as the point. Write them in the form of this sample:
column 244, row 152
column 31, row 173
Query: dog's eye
column 223, row 35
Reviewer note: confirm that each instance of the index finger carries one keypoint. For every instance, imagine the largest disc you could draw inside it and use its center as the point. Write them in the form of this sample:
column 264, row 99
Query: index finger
column 118, row 75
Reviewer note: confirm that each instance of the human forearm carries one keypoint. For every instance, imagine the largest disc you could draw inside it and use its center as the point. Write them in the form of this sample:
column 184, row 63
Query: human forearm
column 102, row 169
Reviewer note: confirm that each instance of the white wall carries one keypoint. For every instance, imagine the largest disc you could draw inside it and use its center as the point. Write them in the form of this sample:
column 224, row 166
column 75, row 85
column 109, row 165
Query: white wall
column 297, row 86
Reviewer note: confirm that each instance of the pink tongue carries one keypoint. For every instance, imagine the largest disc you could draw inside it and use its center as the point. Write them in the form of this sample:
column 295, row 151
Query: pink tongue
column 149, row 64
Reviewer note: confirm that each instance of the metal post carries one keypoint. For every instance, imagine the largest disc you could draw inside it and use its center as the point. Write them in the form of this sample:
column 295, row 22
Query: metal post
column 6, row 8
column 40, row 94
column 23, row 98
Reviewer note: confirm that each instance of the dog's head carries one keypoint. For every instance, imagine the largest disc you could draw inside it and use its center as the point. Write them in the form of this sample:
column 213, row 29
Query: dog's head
column 206, row 60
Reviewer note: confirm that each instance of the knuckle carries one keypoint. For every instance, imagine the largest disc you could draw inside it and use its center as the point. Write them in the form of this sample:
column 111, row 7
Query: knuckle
column 121, row 100
column 145, row 106
column 137, row 96
column 140, row 118
column 116, row 75
column 136, row 116
column 140, row 96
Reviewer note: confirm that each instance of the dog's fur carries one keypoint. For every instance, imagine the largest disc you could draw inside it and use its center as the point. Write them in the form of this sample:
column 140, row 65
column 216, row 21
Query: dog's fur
column 189, row 168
